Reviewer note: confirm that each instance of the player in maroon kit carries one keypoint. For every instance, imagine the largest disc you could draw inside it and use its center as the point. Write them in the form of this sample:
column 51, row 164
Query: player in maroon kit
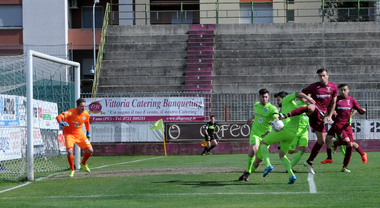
column 324, row 94
column 341, row 126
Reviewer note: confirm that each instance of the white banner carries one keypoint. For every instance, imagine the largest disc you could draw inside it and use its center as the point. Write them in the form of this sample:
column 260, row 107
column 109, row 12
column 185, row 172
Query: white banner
column 363, row 130
column 124, row 132
column 47, row 112
column 10, row 143
column 142, row 109
column 8, row 110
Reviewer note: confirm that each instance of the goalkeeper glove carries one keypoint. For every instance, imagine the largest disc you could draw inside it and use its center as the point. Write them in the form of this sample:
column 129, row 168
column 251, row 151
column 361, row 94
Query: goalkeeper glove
column 88, row 135
column 63, row 124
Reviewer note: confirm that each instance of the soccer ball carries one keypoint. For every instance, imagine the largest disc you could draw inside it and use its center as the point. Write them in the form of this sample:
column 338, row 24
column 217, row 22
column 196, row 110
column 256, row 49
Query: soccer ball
column 277, row 125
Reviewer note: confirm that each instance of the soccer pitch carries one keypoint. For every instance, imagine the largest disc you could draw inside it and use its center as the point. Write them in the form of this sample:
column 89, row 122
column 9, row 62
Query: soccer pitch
column 195, row 181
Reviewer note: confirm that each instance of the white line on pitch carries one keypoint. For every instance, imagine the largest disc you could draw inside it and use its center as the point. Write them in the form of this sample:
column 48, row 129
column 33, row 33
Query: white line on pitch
column 168, row 194
column 40, row 179
column 312, row 187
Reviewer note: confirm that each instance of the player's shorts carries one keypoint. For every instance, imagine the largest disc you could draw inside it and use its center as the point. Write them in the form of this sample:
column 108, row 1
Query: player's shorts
column 302, row 140
column 285, row 136
column 80, row 139
column 316, row 121
column 255, row 139
column 209, row 139
column 342, row 131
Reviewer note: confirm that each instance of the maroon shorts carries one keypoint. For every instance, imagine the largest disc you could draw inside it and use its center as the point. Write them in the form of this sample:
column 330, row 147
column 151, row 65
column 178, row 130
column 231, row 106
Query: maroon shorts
column 316, row 121
column 342, row 131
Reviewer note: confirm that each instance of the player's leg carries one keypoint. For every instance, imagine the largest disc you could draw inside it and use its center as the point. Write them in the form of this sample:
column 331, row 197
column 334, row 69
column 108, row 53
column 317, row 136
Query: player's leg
column 303, row 140
column 208, row 144
column 69, row 142
column 360, row 151
column 317, row 124
column 330, row 136
column 254, row 142
column 271, row 138
column 285, row 161
column 347, row 156
column 85, row 144
column 298, row 111
column 214, row 143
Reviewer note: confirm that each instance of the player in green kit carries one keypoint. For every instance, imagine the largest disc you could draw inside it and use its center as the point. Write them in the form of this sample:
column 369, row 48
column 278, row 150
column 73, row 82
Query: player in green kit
column 264, row 113
column 285, row 136
column 302, row 138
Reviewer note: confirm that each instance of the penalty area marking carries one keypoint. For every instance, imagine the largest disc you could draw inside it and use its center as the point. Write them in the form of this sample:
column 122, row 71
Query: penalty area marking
column 312, row 187
column 40, row 179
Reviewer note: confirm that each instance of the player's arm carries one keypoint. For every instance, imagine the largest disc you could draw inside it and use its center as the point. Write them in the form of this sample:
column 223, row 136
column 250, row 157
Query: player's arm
column 60, row 119
column 331, row 110
column 87, row 125
column 353, row 112
column 251, row 119
column 358, row 108
column 305, row 98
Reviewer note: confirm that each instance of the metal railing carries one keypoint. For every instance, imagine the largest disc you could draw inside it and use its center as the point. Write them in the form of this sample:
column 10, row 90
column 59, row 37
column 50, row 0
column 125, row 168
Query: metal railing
column 101, row 48
column 238, row 106
column 253, row 12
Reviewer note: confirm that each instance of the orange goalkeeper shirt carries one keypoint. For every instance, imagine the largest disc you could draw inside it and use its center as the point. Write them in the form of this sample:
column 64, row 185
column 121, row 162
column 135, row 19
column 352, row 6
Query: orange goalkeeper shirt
column 75, row 121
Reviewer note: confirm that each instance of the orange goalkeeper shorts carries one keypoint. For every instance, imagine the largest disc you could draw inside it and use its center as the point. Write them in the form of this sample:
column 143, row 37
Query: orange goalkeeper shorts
column 80, row 139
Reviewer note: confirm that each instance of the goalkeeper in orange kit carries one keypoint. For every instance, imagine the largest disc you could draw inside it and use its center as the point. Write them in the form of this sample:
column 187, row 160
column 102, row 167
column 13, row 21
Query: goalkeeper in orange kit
column 72, row 122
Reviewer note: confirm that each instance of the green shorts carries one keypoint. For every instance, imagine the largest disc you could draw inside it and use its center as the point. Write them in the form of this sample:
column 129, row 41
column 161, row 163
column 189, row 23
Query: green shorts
column 254, row 139
column 285, row 136
column 302, row 139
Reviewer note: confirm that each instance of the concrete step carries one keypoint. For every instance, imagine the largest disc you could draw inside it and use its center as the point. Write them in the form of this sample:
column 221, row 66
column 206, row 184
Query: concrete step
column 197, row 74
column 304, row 61
column 199, row 61
column 200, row 56
column 202, row 27
column 205, row 87
column 249, row 45
column 201, row 40
column 297, row 36
column 201, row 32
column 135, row 30
column 284, row 53
column 193, row 52
column 118, row 47
column 199, row 65
column 139, row 88
column 156, row 71
column 201, row 48
column 128, row 55
column 195, row 44
column 147, row 38
column 152, row 63
column 139, row 80
column 333, row 70
column 197, row 82
column 202, row 78
column 227, row 79
column 197, row 69
column 201, row 36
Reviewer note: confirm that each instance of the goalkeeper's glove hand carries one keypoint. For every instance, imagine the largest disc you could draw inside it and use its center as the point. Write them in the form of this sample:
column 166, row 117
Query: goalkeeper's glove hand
column 88, row 135
column 63, row 124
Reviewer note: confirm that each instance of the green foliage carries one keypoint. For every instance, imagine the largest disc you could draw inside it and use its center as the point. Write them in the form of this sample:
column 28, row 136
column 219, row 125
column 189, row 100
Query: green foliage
column 213, row 189
column 347, row 10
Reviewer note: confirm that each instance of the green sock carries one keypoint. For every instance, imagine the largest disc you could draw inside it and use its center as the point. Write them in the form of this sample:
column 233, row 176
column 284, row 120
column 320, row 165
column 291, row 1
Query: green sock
column 286, row 162
column 250, row 164
column 265, row 154
column 343, row 149
column 297, row 158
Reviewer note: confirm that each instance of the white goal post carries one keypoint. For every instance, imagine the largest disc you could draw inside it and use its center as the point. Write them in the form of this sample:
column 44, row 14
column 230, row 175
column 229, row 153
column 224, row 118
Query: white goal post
column 29, row 94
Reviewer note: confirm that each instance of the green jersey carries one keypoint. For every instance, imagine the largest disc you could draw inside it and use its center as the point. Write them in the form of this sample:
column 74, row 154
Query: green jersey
column 288, row 104
column 263, row 115
column 303, row 121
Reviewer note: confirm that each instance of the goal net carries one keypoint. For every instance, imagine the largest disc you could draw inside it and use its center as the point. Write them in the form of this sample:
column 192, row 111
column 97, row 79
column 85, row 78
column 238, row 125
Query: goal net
column 28, row 146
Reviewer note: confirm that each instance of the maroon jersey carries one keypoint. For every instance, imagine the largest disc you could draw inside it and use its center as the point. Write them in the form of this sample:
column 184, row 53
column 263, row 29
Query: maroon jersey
column 322, row 94
column 343, row 109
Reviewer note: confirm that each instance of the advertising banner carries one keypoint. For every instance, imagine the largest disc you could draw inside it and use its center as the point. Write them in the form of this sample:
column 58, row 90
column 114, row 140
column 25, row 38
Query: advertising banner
column 225, row 131
column 124, row 132
column 47, row 112
column 142, row 109
column 10, row 143
column 8, row 110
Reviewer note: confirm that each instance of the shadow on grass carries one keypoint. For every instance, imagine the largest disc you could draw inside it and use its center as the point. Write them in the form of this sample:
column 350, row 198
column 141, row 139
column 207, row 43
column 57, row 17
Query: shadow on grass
column 208, row 183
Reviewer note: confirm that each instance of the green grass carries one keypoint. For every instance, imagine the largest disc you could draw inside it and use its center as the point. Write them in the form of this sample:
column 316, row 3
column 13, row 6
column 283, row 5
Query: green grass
column 359, row 188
